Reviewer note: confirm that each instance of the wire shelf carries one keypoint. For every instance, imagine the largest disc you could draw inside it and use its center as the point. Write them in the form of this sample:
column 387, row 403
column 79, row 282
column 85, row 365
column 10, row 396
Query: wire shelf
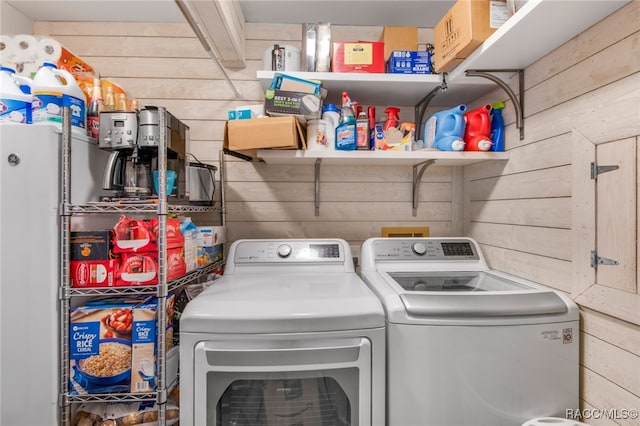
column 110, row 207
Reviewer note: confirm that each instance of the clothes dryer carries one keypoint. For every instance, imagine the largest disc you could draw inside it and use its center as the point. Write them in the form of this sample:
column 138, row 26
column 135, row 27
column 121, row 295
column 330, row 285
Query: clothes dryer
column 290, row 334
column 467, row 345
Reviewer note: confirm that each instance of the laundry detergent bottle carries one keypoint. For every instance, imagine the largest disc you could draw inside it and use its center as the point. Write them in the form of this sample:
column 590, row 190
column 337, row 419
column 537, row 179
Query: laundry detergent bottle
column 15, row 105
column 54, row 89
column 478, row 129
column 497, row 127
column 449, row 129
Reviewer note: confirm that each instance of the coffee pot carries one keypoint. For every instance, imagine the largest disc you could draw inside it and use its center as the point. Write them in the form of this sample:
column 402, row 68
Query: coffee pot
column 128, row 174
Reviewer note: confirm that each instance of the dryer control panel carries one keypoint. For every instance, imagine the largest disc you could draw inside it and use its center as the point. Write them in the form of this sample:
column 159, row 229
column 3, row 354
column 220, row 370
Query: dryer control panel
column 437, row 249
column 289, row 251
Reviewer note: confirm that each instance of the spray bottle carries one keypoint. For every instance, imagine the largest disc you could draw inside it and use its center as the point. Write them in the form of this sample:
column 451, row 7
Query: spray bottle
column 497, row 127
column 449, row 129
column 346, row 130
column 392, row 117
column 478, row 129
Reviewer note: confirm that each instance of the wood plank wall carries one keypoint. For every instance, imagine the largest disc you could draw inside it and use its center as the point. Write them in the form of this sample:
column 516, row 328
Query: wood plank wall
column 164, row 64
column 521, row 212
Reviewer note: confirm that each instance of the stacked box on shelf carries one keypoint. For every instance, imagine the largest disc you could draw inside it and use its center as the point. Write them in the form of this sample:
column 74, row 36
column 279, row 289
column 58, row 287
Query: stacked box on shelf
column 92, row 261
column 210, row 248
column 136, row 242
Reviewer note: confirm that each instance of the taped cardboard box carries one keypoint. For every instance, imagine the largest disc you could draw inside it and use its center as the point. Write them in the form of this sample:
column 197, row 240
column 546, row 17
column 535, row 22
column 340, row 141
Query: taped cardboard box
column 243, row 137
column 460, row 31
column 399, row 38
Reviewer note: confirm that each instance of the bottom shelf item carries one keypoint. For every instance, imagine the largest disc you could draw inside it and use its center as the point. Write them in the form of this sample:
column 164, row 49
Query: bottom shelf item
column 124, row 413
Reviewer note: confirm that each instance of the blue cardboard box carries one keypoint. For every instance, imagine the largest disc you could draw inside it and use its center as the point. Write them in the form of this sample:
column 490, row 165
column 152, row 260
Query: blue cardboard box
column 409, row 62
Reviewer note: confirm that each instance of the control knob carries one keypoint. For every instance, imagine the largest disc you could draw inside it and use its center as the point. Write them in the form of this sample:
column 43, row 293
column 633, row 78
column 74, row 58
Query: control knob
column 419, row 248
column 284, row 251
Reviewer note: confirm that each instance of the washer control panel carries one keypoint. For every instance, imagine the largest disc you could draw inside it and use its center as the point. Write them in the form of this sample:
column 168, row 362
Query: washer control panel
column 425, row 249
column 285, row 251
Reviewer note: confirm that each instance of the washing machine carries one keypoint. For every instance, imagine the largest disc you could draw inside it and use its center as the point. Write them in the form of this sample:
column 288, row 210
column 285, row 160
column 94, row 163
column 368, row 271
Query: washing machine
column 467, row 345
column 289, row 335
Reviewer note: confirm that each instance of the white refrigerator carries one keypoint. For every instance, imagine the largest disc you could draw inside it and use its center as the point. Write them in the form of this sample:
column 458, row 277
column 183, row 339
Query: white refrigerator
column 30, row 182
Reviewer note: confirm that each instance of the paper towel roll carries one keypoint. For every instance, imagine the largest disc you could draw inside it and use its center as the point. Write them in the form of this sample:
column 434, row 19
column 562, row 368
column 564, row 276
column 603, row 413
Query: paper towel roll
column 49, row 50
column 7, row 49
column 26, row 48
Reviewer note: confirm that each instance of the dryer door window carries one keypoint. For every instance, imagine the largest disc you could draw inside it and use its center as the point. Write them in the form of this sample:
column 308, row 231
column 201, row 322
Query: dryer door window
column 271, row 383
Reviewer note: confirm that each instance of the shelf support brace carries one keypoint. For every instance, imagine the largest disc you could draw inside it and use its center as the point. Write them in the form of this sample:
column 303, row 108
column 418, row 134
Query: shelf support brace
column 421, row 106
column 317, row 186
column 417, row 177
column 517, row 104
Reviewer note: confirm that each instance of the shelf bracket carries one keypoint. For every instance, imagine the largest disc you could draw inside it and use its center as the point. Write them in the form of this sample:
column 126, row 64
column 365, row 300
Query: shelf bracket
column 517, row 104
column 317, row 186
column 421, row 107
column 417, row 177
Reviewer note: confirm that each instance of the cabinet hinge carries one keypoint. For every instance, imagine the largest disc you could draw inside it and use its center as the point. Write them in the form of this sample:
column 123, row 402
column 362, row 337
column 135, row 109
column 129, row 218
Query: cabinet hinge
column 597, row 260
column 597, row 170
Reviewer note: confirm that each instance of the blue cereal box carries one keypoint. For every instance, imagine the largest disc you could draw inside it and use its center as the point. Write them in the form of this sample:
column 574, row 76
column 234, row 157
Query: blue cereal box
column 100, row 346
column 409, row 62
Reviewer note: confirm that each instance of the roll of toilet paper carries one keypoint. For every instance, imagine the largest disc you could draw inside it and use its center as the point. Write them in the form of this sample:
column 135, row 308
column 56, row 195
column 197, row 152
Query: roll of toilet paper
column 7, row 49
column 49, row 50
column 26, row 48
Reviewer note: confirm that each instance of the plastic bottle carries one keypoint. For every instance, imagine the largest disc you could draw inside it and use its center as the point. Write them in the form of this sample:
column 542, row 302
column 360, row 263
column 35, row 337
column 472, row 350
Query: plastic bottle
column 346, row 130
column 497, row 127
column 450, row 125
column 15, row 105
column 331, row 116
column 96, row 105
column 110, row 99
column 478, row 129
column 371, row 115
column 122, row 105
column 54, row 88
column 363, row 134
column 393, row 115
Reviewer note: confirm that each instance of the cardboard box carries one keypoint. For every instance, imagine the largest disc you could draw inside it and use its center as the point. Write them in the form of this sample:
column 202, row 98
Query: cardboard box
column 245, row 136
column 144, row 341
column 462, row 29
column 142, row 268
column 409, row 62
column 139, row 236
column 100, row 346
column 399, row 38
column 90, row 245
column 211, row 235
column 94, row 273
column 209, row 254
column 282, row 102
column 358, row 56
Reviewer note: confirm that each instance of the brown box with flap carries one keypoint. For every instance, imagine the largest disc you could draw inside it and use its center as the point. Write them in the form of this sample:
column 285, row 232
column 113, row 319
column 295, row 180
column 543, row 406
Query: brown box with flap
column 243, row 137
column 399, row 38
column 460, row 31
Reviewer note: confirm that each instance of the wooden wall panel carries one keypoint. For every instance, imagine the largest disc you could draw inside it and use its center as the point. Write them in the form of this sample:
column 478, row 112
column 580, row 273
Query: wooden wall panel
column 532, row 214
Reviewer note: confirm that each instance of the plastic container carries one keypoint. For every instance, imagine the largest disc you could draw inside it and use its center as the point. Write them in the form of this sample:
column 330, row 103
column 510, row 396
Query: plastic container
column 54, row 89
column 393, row 115
column 317, row 135
column 15, row 105
column 497, row 127
column 331, row 116
column 363, row 133
column 478, row 129
column 449, row 125
column 346, row 135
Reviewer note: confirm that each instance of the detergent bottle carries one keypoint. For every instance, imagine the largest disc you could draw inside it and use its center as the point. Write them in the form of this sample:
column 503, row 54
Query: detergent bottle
column 478, row 129
column 449, row 129
column 497, row 127
column 346, row 135
column 55, row 88
column 15, row 105
column 393, row 115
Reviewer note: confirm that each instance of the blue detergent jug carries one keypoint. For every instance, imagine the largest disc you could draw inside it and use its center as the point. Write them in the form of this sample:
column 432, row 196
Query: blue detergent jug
column 497, row 127
column 450, row 125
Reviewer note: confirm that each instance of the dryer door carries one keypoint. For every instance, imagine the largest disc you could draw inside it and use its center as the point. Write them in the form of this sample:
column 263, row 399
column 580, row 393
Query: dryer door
column 283, row 382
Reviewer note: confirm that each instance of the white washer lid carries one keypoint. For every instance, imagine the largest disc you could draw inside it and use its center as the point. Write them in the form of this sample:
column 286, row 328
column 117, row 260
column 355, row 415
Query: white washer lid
column 284, row 303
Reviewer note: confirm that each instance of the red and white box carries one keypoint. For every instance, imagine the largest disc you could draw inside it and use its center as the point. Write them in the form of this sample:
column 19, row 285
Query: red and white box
column 141, row 236
column 142, row 268
column 358, row 56
column 94, row 273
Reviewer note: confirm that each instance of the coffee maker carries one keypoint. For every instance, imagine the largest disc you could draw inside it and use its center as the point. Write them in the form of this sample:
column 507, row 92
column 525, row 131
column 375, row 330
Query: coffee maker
column 133, row 137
